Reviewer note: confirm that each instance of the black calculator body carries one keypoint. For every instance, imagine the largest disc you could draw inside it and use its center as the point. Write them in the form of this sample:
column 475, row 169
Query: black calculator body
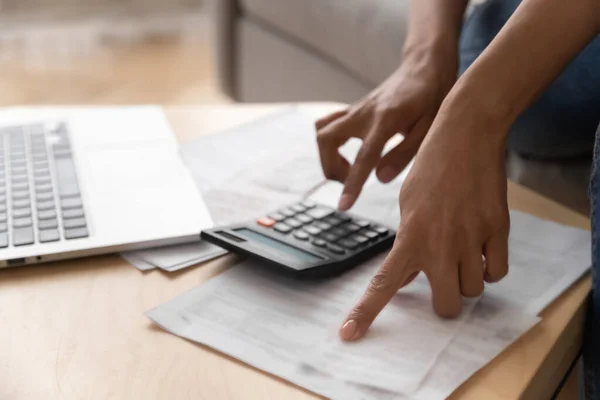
column 306, row 239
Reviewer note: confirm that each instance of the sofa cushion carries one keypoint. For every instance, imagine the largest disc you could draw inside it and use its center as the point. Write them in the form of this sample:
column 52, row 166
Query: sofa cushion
column 363, row 36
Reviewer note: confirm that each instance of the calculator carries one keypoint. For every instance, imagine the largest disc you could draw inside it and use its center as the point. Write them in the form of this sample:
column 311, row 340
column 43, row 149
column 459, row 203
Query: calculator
column 306, row 239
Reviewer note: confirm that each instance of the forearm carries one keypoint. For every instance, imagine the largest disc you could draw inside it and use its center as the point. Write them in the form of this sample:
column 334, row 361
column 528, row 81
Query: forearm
column 535, row 45
column 435, row 24
column 433, row 33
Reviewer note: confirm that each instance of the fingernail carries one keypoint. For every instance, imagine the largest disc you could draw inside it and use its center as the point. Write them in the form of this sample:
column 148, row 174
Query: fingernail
column 386, row 174
column 349, row 330
column 345, row 202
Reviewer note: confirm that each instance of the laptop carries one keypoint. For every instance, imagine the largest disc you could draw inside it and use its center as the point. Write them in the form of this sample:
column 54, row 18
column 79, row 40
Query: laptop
column 80, row 182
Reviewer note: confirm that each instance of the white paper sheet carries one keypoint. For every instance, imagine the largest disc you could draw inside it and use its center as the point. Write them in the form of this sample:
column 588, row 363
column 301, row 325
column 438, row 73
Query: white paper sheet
column 545, row 259
column 137, row 262
column 272, row 322
column 173, row 258
column 401, row 346
column 215, row 160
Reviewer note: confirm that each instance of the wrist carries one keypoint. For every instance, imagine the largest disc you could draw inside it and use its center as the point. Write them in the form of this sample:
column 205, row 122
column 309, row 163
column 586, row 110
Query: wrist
column 477, row 118
column 436, row 62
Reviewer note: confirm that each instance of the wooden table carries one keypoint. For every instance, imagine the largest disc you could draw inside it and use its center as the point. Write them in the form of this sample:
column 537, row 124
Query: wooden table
column 76, row 329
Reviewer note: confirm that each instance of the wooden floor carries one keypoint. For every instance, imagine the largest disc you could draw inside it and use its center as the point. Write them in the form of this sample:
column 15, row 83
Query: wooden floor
column 166, row 72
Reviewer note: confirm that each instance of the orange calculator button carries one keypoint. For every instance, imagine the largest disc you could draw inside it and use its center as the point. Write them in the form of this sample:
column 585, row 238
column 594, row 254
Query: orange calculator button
column 266, row 222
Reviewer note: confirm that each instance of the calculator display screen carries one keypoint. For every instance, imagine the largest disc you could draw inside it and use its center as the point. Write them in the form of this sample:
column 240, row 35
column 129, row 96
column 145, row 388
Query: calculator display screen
column 277, row 245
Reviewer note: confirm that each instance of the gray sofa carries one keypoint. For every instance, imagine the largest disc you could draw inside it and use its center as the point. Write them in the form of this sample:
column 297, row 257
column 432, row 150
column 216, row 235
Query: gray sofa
column 339, row 50
column 288, row 50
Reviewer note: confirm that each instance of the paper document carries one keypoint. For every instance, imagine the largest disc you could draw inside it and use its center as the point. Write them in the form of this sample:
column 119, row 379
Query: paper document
column 173, row 258
column 545, row 259
column 215, row 160
column 401, row 346
column 272, row 323
column 140, row 264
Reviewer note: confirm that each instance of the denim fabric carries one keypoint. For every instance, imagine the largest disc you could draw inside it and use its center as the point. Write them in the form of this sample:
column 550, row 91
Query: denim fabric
column 560, row 124
column 591, row 343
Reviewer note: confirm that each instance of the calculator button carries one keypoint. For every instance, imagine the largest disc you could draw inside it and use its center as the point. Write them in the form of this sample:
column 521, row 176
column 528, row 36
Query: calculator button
column 330, row 237
column 319, row 212
column 348, row 243
column 319, row 243
column 322, row 225
column 277, row 216
column 301, row 235
column 298, row 208
column 372, row 235
column 333, row 221
column 381, row 230
column 360, row 239
column 351, row 227
column 342, row 216
column 335, row 249
column 309, row 203
column 313, row 230
column 361, row 223
column 305, row 219
column 288, row 212
column 294, row 223
column 281, row 227
column 266, row 222
column 340, row 231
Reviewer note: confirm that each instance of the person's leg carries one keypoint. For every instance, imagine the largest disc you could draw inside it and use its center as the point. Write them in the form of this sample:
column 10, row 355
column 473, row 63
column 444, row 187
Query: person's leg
column 562, row 122
column 591, row 345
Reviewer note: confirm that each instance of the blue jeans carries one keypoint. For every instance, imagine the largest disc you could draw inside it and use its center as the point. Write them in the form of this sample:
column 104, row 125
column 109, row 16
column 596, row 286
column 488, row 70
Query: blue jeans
column 561, row 124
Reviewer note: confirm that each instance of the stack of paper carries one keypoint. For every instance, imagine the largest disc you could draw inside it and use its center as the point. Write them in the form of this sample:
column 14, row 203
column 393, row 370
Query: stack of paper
column 173, row 258
column 289, row 328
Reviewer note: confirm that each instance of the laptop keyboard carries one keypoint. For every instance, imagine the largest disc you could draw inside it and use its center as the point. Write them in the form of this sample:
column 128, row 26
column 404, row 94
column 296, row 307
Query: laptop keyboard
column 40, row 200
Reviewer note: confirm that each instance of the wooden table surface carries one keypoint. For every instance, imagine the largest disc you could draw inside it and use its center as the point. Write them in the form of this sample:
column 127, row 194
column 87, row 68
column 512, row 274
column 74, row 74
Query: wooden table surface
column 76, row 329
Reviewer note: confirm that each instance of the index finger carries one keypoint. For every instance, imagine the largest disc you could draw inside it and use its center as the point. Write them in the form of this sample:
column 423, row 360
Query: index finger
column 329, row 139
column 393, row 274
column 366, row 160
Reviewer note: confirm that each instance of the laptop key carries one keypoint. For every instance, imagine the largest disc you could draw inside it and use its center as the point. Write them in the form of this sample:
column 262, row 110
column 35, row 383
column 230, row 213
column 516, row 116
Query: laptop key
column 47, row 223
column 69, row 203
column 46, row 205
column 72, row 213
column 23, row 236
column 66, row 177
column 25, row 203
column 20, row 195
column 76, row 233
column 48, row 214
column 2, row 217
column 2, row 207
column 43, row 188
column 3, row 226
column 43, row 180
column 49, row 235
column 21, row 186
column 74, row 223
column 44, row 196
column 3, row 240
column 22, row 222
column 21, row 213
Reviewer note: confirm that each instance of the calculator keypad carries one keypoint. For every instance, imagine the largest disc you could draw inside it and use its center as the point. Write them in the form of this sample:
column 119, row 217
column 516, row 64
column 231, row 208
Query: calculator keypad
column 323, row 227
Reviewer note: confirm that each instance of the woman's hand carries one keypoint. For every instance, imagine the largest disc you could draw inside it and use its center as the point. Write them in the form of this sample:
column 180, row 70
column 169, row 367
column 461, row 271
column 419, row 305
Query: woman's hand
column 454, row 210
column 405, row 103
